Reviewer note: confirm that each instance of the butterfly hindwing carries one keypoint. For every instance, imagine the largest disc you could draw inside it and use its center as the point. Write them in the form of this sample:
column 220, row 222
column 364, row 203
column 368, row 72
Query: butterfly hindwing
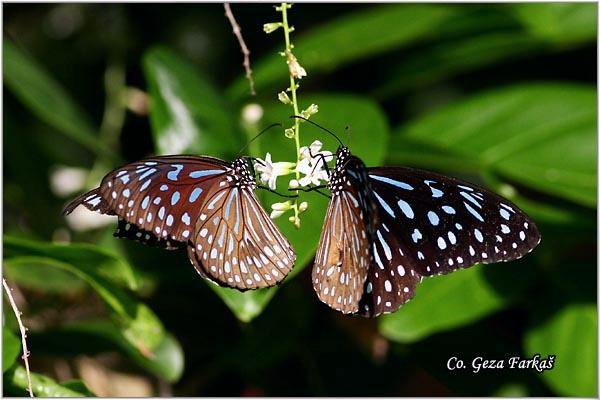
column 236, row 243
column 130, row 231
column 343, row 256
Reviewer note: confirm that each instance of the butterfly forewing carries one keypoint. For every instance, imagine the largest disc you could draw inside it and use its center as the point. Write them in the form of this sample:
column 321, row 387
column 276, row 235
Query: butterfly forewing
column 445, row 223
column 432, row 224
column 237, row 244
column 161, row 196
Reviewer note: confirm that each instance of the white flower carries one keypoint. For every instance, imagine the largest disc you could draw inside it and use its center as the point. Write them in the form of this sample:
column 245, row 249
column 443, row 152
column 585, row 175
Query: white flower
column 294, row 66
column 270, row 171
column 311, row 164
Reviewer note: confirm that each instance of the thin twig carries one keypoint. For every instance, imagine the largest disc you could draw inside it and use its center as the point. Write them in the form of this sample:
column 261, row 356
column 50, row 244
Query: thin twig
column 22, row 328
column 238, row 33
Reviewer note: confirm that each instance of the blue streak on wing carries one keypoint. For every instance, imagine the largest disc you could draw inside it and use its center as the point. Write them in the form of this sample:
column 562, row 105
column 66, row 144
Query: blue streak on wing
column 206, row 172
column 385, row 205
column 393, row 182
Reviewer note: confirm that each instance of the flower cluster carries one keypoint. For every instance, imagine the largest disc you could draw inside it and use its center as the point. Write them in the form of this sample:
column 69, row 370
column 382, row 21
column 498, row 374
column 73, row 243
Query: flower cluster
column 311, row 165
column 310, row 161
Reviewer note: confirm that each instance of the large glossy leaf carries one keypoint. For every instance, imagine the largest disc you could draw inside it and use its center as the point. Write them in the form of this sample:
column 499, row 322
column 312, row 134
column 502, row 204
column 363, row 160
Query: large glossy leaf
column 563, row 23
column 571, row 334
column 368, row 136
column 187, row 113
column 89, row 256
column 137, row 322
column 557, row 213
column 42, row 278
column 11, row 348
column 97, row 336
column 43, row 386
column 442, row 303
column 47, row 99
column 457, row 56
column 349, row 38
column 540, row 135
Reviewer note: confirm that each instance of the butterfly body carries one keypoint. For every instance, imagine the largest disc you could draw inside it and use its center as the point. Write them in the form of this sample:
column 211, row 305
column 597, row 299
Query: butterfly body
column 416, row 224
column 204, row 203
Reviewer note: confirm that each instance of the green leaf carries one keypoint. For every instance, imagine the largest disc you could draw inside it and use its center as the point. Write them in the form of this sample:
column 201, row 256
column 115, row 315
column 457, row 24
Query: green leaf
column 349, row 38
column 39, row 277
column 540, row 135
column 97, row 336
column 43, row 386
column 11, row 348
column 453, row 57
column 136, row 321
column 92, row 257
column 563, row 23
column 571, row 335
column 511, row 390
column 245, row 305
column 47, row 99
column 443, row 303
column 187, row 112
column 569, row 216
column 79, row 386
column 368, row 130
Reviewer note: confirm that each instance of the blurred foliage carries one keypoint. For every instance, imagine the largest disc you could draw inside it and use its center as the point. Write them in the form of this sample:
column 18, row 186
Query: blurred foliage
column 500, row 94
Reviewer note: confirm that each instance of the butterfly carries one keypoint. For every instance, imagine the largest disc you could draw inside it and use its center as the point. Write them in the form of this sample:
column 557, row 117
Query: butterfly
column 204, row 203
column 387, row 228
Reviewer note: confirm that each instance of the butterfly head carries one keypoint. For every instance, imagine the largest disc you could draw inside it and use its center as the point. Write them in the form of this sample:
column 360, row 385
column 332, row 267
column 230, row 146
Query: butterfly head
column 242, row 175
column 342, row 155
column 338, row 178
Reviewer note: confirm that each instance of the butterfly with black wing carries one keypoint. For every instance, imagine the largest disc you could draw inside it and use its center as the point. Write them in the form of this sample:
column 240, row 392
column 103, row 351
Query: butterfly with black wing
column 388, row 227
column 204, row 203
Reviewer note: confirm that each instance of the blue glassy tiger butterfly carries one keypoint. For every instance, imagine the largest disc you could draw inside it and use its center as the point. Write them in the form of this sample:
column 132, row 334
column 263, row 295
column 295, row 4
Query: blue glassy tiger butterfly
column 388, row 227
column 204, row 203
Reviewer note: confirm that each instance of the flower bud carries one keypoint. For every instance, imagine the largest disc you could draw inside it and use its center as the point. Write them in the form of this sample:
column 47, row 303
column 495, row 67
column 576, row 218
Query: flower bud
column 284, row 98
column 295, row 221
column 303, row 206
column 289, row 133
column 282, row 206
column 276, row 214
column 293, row 184
column 272, row 27
column 312, row 109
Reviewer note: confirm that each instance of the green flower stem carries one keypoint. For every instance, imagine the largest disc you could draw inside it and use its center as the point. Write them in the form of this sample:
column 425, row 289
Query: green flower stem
column 288, row 47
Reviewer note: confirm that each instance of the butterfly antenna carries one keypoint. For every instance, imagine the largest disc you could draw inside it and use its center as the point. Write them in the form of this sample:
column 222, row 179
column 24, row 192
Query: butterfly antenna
column 319, row 126
column 288, row 196
column 256, row 137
